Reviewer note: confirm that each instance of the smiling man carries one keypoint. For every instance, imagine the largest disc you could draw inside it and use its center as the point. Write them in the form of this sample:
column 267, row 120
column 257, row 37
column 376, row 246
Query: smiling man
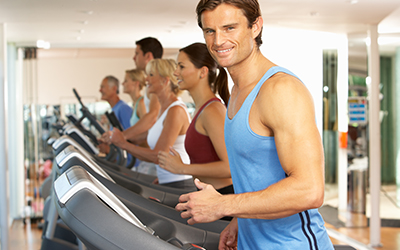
column 274, row 147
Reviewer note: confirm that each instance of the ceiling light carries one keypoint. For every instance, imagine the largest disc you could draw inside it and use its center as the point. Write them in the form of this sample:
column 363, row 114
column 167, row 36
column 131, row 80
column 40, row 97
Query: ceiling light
column 352, row 1
column 78, row 38
column 41, row 44
column 82, row 31
column 85, row 22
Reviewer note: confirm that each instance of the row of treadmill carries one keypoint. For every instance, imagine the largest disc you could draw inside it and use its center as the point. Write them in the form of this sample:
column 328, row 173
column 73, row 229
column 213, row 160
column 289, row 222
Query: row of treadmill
column 94, row 202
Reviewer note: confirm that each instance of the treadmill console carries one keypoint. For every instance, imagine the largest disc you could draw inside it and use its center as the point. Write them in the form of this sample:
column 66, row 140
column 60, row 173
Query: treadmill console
column 73, row 131
column 76, row 179
column 70, row 152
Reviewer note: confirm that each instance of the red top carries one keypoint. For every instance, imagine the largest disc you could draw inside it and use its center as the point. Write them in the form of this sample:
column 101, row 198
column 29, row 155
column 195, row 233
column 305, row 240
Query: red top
column 199, row 147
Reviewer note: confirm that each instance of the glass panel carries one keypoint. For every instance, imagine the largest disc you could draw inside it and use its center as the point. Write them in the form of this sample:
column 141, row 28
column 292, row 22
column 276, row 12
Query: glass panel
column 330, row 115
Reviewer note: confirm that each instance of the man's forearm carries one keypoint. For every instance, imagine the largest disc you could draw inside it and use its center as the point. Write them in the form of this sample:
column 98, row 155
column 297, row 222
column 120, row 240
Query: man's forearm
column 282, row 199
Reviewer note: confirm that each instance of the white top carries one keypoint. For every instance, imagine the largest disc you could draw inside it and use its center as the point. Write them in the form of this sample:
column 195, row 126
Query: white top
column 154, row 134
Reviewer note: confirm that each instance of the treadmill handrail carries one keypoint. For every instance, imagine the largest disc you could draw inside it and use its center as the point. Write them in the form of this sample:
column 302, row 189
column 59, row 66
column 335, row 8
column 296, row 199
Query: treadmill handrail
column 86, row 113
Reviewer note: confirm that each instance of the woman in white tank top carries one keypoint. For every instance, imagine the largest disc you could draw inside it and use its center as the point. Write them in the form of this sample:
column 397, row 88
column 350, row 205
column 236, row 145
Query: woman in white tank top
column 170, row 129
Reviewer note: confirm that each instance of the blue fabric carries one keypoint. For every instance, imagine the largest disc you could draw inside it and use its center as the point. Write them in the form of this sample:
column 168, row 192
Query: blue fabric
column 123, row 113
column 255, row 165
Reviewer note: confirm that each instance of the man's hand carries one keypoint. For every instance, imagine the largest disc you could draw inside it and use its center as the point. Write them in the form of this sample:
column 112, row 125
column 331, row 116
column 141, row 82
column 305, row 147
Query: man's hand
column 202, row 206
column 171, row 161
column 228, row 237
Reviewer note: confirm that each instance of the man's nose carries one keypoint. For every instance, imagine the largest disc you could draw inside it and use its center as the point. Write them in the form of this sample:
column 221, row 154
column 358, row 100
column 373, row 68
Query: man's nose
column 219, row 38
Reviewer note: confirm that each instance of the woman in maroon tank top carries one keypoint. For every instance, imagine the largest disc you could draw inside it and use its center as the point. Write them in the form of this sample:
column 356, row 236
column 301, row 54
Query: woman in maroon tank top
column 198, row 73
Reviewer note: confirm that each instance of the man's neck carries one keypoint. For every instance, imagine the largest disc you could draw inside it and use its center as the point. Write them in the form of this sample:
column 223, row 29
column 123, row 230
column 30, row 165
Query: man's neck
column 250, row 70
column 113, row 101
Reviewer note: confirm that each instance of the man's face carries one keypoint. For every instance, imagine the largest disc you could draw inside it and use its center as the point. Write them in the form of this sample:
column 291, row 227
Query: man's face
column 227, row 35
column 139, row 58
column 106, row 90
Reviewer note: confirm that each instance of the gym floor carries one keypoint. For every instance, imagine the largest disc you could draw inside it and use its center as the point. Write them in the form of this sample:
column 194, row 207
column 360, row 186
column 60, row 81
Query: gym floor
column 29, row 236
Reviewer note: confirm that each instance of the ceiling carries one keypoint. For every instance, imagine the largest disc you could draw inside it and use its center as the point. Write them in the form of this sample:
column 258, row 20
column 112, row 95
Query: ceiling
column 118, row 23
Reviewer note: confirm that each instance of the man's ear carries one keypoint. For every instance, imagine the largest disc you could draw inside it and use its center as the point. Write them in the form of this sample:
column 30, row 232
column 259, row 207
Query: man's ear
column 257, row 26
column 148, row 56
column 115, row 88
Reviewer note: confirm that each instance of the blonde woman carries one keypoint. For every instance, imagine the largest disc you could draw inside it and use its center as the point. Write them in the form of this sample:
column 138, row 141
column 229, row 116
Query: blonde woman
column 135, row 80
column 169, row 131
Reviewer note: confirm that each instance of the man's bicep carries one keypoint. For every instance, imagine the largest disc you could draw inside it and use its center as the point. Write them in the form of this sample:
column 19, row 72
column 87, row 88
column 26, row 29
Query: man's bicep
column 297, row 139
column 301, row 156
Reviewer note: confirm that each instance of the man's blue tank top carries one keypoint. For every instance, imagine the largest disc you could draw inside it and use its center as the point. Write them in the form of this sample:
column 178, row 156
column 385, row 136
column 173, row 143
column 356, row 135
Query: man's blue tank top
column 255, row 165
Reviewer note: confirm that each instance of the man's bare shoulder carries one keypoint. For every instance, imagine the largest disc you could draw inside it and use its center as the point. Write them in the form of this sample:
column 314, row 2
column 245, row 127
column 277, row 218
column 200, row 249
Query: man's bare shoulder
column 281, row 87
column 283, row 96
column 282, row 82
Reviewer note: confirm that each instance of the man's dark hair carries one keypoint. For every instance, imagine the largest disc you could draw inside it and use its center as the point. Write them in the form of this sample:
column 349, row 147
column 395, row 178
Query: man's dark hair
column 251, row 10
column 151, row 44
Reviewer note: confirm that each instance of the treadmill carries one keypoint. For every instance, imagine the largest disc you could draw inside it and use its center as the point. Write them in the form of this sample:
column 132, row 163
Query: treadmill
column 162, row 203
column 121, row 175
column 102, row 221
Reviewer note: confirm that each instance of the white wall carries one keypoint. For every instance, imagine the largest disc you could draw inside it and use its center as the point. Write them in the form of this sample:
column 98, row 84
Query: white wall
column 57, row 77
column 60, row 70
column 300, row 51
